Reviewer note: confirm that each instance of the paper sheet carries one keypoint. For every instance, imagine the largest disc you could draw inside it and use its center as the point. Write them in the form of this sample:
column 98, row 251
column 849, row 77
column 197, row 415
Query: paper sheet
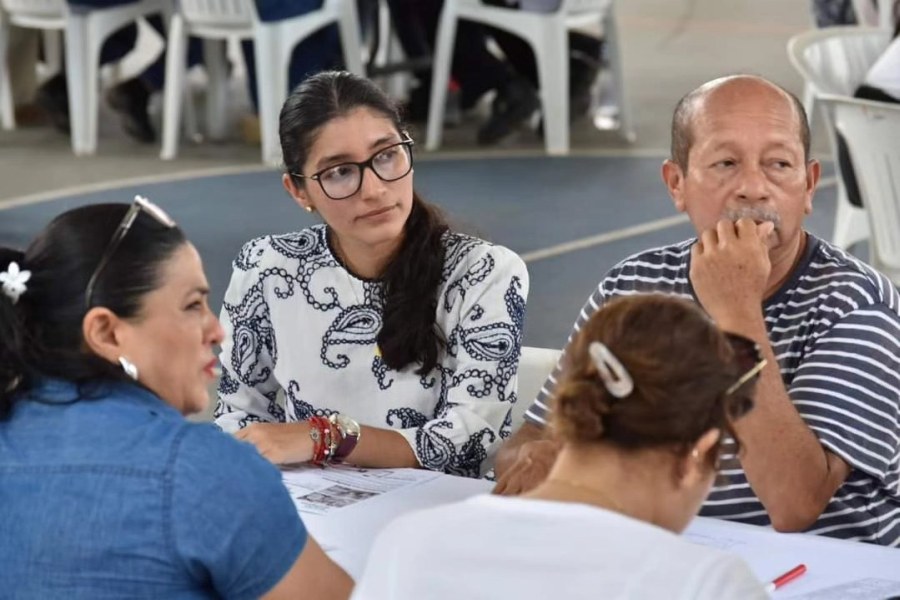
column 862, row 589
column 319, row 491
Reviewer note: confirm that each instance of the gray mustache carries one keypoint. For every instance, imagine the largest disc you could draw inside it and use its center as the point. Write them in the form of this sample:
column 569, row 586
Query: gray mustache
column 757, row 214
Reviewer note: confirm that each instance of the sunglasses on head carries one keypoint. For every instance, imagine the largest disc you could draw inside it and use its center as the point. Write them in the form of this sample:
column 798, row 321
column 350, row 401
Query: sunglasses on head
column 751, row 362
column 139, row 205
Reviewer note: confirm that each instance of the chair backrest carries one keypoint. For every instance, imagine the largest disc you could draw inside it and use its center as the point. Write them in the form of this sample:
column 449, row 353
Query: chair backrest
column 35, row 12
column 872, row 132
column 535, row 365
column 219, row 14
column 835, row 59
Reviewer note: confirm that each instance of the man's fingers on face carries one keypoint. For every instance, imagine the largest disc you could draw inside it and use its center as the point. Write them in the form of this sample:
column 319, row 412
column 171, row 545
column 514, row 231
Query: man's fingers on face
column 765, row 229
column 745, row 227
column 710, row 239
column 726, row 231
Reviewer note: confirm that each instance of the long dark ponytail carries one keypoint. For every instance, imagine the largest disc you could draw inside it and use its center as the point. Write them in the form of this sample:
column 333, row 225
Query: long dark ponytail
column 41, row 333
column 412, row 279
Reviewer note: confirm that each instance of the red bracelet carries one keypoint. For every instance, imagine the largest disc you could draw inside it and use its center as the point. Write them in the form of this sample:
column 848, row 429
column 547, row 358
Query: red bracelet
column 320, row 432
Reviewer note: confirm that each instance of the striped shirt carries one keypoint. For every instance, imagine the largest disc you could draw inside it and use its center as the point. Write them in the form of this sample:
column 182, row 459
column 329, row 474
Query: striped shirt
column 834, row 327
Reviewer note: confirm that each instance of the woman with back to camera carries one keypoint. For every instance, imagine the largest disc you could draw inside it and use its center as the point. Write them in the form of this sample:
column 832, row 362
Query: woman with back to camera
column 394, row 340
column 106, row 340
column 651, row 389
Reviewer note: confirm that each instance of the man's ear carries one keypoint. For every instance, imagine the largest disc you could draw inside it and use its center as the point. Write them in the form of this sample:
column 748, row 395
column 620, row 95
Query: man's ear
column 694, row 467
column 813, row 172
column 102, row 331
column 673, row 177
column 296, row 192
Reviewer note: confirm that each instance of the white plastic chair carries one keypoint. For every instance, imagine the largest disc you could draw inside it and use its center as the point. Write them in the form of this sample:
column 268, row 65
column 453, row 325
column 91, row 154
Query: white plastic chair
column 871, row 130
column 835, row 60
column 86, row 28
column 547, row 33
column 47, row 15
column 219, row 20
column 535, row 364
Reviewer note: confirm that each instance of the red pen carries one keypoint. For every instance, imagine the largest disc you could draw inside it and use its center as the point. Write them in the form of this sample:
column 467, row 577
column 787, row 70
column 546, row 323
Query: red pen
column 786, row 578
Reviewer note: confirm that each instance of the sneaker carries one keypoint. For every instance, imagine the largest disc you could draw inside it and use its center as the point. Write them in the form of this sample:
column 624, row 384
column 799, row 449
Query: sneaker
column 130, row 99
column 512, row 108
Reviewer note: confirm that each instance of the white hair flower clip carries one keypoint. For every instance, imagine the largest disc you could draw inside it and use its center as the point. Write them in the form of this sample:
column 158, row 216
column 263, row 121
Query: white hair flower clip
column 14, row 281
column 613, row 373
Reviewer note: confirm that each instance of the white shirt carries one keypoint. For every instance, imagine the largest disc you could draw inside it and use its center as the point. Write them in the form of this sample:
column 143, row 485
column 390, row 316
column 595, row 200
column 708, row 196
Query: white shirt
column 885, row 73
column 298, row 322
column 492, row 547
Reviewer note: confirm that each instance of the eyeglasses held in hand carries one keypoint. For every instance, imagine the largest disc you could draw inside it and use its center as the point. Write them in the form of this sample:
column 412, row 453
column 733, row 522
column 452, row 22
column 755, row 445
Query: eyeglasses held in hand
column 344, row 180
column 140, row 204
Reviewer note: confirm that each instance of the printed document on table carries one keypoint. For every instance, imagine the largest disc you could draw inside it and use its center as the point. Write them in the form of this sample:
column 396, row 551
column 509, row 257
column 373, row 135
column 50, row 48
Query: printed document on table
column 862, row 589
column 318, row 491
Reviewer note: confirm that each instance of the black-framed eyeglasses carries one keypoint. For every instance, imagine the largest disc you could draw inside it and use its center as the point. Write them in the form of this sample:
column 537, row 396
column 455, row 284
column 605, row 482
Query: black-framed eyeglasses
column 140, row 204
column 344, row 180
column 749, row 358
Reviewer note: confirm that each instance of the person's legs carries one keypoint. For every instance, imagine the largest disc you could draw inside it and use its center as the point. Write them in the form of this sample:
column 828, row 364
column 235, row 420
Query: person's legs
column 129, row 98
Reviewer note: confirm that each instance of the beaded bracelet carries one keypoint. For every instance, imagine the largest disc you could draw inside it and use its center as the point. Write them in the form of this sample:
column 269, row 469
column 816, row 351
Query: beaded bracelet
column 320, row 432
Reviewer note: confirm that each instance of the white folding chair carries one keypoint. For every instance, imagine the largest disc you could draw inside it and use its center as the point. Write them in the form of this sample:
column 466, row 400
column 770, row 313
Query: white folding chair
column 86, row 28
column 219, row 20
column 871, row 130
column 835, row 60
column 547, row 33
column 46, row 15
column 535, row 364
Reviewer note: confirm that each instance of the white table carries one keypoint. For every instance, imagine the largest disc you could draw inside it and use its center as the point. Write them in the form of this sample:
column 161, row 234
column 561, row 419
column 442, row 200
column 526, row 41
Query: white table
column 347, row 534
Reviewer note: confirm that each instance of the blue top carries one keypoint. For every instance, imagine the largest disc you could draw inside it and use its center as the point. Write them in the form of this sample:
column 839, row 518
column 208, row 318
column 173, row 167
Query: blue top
column 111, row 493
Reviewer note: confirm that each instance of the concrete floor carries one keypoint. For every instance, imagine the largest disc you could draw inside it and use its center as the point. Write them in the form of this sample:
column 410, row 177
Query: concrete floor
column 670, row 46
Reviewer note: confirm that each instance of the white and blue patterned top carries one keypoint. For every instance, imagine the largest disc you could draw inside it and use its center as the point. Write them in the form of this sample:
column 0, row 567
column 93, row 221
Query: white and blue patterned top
column 298, row 321
column 834, row 326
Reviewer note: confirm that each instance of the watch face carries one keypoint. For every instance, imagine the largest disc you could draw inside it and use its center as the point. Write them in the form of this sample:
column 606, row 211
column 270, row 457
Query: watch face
column 348, row 425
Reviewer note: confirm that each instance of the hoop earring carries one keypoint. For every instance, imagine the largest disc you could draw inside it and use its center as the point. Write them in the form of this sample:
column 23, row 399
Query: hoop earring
column 129, row 367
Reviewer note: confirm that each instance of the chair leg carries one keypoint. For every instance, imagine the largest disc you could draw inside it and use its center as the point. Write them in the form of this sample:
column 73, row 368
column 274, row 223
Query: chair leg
column 351, row 44
column 614, row 54
column 440, row 75
column 80, row 75
column 52, row 50
column 809, row 102
column 216, row 60
column 173, row 96
column 553, row 73
column 7, row 108
column 267, row 42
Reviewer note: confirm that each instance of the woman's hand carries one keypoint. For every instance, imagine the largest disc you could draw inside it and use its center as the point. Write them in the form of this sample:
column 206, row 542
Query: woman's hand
column 280, row 443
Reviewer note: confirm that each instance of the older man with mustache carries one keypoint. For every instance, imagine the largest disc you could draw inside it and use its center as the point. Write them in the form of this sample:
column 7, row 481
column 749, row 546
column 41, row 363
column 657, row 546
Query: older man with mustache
column 821, row 452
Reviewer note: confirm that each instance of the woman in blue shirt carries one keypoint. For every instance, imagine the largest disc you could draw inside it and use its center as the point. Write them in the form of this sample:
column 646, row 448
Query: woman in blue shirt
column 106, row 340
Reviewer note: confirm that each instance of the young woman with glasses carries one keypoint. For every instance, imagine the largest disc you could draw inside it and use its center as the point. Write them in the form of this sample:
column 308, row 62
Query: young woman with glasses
column 650, row 392
column 106, row 340
column 380, row 337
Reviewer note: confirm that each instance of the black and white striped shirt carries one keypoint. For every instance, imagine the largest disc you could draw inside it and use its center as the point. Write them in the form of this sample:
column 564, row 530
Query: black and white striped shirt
column 834, row 327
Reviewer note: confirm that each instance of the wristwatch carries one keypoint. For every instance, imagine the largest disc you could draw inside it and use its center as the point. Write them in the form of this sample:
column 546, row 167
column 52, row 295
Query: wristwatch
column 350, row 433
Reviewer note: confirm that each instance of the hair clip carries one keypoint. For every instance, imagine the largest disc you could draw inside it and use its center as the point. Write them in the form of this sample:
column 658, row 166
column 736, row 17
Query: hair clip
column 616, row 379
column 14, row 281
